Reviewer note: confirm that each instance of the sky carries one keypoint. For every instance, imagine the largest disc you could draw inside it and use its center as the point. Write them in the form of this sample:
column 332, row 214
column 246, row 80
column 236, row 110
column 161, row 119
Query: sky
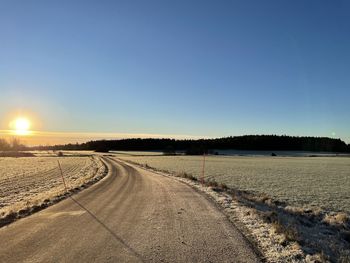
column 182, row 69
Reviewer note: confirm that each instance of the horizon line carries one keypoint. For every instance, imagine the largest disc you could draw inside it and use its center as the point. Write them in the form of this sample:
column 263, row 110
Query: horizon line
column 49, row 138
column 39, row 138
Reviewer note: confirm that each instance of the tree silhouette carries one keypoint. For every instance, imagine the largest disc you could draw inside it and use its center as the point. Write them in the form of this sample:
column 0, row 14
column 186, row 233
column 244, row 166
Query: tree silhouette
column 246, row 142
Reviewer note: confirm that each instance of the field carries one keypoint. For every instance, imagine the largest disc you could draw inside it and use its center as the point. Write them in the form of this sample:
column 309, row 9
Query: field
column 134, row 153
column 316, row 182
column 30, row 181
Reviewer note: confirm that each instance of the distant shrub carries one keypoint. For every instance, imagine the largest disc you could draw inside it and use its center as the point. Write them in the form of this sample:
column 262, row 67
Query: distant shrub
column 59, row 154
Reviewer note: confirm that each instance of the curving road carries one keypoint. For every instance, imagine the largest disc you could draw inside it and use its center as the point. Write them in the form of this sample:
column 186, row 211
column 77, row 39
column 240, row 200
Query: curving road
column 132, row 215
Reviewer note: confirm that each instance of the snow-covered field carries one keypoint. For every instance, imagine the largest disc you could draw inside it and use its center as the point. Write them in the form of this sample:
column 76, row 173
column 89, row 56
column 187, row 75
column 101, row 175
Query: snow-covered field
column 316, row 182
column 31, row 181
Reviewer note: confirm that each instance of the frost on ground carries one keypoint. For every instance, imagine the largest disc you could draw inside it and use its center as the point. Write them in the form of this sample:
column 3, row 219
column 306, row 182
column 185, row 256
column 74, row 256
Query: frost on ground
column 31, row 183
column 281, row 232
column 318, row 182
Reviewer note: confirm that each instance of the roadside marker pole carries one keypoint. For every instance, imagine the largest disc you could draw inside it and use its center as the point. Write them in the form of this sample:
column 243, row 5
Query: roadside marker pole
column 203, row 168
column 64, row 182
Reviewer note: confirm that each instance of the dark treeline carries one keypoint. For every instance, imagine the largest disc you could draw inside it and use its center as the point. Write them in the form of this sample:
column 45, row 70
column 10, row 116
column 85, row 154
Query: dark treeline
column 12, row 145
column 247, row 142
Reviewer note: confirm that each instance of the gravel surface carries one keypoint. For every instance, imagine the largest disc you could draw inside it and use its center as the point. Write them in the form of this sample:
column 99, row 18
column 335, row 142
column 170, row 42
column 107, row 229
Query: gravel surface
column 132, row 215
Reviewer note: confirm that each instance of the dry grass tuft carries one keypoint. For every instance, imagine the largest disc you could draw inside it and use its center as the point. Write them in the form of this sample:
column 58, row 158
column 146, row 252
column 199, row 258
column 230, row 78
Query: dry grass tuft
column 187, row 176
column 290, row 232
column 338, row 219
column 317, row 258
column 270, row 216
column 212, row 183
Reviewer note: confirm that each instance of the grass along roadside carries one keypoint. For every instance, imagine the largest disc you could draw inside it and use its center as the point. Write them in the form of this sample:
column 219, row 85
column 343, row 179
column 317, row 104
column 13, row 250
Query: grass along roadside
column 281, row 232
column 34, row 202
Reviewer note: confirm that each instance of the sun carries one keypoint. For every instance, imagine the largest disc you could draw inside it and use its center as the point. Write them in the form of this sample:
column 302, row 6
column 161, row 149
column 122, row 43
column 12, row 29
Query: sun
column 21, row 126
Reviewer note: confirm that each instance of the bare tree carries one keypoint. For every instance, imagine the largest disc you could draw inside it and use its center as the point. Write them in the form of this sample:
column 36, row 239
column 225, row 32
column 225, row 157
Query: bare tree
column 4, row 145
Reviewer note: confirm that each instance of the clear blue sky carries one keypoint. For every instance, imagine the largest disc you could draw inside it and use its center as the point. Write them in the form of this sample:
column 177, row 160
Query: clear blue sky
column 211, row 68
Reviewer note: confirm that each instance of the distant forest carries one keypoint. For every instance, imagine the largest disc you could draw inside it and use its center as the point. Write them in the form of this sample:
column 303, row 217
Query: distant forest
column 246, row 142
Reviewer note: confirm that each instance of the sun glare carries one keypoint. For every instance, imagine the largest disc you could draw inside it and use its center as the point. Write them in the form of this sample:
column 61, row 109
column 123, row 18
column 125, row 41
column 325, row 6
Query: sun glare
column 21, row 126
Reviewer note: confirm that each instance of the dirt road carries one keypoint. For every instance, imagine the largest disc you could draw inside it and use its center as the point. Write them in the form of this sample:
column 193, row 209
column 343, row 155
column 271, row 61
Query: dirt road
column 132, row 215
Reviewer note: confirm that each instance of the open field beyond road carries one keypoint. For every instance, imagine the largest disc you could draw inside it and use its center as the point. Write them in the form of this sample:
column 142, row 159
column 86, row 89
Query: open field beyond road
column 29, row 181
column 131, row 215
column 315, row 182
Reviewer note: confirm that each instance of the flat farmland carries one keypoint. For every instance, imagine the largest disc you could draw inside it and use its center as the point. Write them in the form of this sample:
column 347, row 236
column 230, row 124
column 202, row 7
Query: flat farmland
column 29, row 181
column 315, row 182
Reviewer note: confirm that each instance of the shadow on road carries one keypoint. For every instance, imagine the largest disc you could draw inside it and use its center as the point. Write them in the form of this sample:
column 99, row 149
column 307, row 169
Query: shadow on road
column 116, row 237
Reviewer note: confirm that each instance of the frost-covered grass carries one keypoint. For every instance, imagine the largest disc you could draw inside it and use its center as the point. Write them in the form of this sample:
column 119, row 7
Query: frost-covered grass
column 51, row 153
column 44, row 153
column 283, row 234
column 138, row 153
column 316, row 182
column 32, row 181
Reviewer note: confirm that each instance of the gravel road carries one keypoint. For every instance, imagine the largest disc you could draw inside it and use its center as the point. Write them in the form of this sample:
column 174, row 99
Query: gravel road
column 131, row 215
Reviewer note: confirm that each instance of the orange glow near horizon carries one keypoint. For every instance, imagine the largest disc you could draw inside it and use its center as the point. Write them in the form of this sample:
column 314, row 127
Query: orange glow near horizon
column 20, row 126
column 36, row 138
